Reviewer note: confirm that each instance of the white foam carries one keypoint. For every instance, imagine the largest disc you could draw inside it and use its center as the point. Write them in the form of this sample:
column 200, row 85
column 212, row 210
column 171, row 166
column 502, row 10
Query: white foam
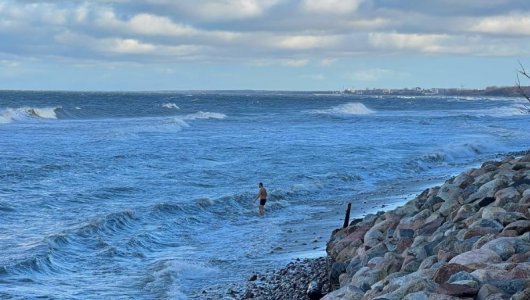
column 9, row 115
column 170, row 106
column 504, row 111
column 458, row 151
column 201, row 115
column 352, row 108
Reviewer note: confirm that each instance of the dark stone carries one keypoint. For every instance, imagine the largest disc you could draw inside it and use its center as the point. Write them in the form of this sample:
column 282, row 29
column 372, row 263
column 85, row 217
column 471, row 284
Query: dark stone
column 430, row 227
column 445, row 272
column 336, row 269
column 462, row 275
column 457, row 290
column 354, row 266
column 405, row 233
column 511, row 286
column 429, row 247
column 254, row 277
column 314, row 290
column 486, row 201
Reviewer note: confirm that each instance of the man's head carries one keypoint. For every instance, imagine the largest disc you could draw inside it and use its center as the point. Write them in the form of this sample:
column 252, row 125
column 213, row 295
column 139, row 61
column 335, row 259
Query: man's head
column 261, row 184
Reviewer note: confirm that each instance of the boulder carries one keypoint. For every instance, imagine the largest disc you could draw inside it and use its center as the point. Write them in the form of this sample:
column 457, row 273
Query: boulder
column 443, row 274
column 486, row 291
column 520, row 226
column 505, row 247
column 464, row 212
column 348, row 292
column 507, row 195
column 457, row 290
column 476, row 258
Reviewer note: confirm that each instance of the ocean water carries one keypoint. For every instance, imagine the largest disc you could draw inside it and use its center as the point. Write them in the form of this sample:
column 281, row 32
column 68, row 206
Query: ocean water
column 150, row 195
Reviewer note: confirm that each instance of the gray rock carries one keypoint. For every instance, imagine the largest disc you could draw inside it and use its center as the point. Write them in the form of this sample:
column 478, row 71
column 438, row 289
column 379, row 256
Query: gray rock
column 520, row 226
column 488, row 223
column 464, row 212
column 487, row 290
column 348, row 292
column 462, row 275
column 476, row 258
column 336, row 269
column 505, row 247
column 488, row 189
column 365, row 277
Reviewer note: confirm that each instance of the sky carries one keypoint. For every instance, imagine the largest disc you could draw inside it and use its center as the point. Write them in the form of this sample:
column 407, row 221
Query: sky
column 147, row 45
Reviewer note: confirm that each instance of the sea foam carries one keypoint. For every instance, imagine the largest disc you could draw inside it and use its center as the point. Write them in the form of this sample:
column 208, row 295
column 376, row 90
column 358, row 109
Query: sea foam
column 9, row 115
column 352, row 108
column 170, row 106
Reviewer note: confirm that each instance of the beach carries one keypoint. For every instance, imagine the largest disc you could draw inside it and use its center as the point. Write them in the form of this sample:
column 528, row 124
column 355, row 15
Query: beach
column 468, row 238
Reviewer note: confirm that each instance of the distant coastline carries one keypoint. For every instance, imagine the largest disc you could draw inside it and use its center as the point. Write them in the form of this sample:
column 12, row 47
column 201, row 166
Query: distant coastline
column 492, row 91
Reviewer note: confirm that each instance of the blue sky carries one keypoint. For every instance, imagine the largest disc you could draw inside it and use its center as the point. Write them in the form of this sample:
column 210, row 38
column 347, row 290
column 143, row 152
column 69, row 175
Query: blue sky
column 261, row 44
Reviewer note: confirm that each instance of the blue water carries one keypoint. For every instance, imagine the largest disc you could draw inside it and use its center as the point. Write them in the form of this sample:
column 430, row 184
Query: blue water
column 149, row 195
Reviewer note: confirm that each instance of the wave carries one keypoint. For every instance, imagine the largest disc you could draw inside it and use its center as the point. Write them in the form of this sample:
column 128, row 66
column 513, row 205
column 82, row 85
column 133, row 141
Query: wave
column 454, row 153
column 504, row 111
column 9, row 115
column 201, row 115
column 111, row 223
column 352, row 108
column 170, row 106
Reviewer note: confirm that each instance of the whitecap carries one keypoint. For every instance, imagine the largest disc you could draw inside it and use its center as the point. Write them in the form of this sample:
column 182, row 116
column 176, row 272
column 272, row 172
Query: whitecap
column 201, row 115
column 9, row 115
column 170, row 105
column 352, row 108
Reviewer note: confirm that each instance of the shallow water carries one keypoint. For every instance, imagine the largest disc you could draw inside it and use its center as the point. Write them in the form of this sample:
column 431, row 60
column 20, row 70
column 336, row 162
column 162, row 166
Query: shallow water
column 149, row 195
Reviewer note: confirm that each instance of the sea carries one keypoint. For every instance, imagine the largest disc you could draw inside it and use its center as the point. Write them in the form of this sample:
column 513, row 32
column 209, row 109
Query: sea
column 151, row 195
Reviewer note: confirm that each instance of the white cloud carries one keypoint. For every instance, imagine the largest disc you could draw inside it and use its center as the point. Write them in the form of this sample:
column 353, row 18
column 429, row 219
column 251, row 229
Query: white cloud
column 300, row 42
column 337, row 7
column 514, row 24
column 126, row 46
column 327, row 61
column 220, row 9
column 295, row 62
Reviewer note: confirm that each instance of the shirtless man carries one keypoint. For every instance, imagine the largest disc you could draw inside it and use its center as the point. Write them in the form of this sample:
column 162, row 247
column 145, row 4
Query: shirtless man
column 262, row 196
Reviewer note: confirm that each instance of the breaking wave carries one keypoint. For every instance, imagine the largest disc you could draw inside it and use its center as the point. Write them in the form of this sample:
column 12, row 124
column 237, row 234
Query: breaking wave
column 26, row 113
column 170, row 106
column 201, row 115
column 353, row 108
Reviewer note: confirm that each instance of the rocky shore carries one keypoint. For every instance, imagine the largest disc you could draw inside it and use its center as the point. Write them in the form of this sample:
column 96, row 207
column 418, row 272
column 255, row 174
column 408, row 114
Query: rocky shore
column 467, row 239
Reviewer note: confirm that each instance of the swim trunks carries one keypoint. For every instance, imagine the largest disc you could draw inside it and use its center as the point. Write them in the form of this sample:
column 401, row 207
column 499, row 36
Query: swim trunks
column 262, row 201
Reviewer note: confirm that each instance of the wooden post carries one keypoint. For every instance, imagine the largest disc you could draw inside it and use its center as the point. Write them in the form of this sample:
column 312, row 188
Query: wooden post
column 347, row 217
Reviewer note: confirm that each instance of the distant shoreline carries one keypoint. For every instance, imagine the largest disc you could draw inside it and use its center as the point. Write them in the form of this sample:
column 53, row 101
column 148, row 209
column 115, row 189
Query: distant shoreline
column 493, row 91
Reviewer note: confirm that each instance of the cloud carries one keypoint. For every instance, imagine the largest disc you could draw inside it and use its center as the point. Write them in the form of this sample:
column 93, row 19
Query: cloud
column 279, row 32
column 303, row 42
column 218, row 10
column 336, row 7
column 295, row 62
column 513, row 24
column 370, row 74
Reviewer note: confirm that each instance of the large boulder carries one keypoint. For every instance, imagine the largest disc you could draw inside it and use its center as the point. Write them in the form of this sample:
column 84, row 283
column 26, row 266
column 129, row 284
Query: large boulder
column 476, row 259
